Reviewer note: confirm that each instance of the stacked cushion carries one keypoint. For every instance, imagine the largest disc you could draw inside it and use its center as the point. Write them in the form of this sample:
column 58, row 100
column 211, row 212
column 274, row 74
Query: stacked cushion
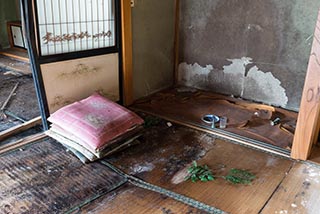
column 94, row 125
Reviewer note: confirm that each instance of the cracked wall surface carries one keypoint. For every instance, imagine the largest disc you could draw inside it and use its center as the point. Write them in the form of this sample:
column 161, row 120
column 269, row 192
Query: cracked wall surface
column 258, row 49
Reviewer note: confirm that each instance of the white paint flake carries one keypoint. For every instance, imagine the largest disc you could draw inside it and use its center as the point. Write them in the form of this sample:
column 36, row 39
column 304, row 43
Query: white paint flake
column 274, row 93
column 237, row 66
column 257, row 85
column 187, row 72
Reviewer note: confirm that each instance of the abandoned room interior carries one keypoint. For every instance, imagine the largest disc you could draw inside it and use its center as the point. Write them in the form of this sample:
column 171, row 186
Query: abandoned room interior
column 146, row 106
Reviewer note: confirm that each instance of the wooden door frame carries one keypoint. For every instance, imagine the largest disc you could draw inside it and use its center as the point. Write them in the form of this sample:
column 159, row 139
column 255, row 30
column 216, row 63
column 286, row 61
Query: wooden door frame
column 127, row 63
column 308, row 124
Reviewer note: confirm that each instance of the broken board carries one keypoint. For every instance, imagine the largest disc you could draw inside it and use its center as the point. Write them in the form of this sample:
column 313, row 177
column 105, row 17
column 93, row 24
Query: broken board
column 250, row 120
column 44, row 178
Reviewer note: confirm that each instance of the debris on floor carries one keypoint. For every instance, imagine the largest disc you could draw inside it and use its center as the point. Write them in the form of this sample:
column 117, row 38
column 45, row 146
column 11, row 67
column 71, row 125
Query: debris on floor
column 23, row 105
column 4, row 105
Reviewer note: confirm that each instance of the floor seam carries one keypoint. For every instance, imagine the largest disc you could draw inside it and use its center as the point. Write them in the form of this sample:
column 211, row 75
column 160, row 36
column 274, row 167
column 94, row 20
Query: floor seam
column 154, row 188
column 277, row 188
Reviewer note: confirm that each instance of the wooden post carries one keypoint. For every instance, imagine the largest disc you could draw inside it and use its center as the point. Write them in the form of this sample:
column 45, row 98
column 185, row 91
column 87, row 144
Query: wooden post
column 176, row 40
column 126, row 28
column 308, row 123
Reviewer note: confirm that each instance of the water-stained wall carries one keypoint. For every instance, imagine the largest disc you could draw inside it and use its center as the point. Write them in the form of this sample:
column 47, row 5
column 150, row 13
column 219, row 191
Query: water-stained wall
column 153, row 42
column 255, row 49
column 9, row 11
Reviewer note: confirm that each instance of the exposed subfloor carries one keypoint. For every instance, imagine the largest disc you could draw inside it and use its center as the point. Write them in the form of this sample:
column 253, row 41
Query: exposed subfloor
column 44, row 171
column 23, row 104
column 245, row 119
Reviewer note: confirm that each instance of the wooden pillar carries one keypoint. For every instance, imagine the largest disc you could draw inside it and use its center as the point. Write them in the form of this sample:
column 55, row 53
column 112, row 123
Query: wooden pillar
column 308, row 123
column 126, row 29
column 176, row 40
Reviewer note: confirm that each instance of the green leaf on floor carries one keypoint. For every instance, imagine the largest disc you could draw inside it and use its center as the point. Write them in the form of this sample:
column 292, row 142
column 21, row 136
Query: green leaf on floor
column 239, row 176
column 199, row 173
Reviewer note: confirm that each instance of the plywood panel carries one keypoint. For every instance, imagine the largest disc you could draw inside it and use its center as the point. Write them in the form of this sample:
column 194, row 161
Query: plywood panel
column 299, row 192
column 134, row 200
column 166, row 151
column 44, row 178
column 309, row 114
column 69, row 81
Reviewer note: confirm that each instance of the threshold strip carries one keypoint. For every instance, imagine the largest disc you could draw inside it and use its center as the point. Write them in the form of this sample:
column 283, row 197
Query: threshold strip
column 224, row 135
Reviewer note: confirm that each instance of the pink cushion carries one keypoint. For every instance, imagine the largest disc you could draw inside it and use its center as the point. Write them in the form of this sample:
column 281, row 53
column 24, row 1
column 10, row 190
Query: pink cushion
column 96, row 120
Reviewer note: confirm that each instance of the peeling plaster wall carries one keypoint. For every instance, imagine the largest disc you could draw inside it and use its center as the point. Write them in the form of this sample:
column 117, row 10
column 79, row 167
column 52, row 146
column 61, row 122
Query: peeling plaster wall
column 153, row 44
column 256, row 49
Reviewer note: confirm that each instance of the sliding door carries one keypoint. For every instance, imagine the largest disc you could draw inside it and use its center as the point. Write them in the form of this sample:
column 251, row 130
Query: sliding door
column 75, row 49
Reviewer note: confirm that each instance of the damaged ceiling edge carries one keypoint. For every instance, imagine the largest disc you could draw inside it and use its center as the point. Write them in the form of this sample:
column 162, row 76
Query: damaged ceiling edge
column 253, row 84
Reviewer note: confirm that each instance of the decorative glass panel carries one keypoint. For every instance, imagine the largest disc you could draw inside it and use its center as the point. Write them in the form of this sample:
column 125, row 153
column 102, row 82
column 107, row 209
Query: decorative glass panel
column 75, row 25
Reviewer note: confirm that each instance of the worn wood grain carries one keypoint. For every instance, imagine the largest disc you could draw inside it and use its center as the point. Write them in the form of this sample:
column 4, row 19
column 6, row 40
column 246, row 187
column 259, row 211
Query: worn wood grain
column 308, row 123
column 166, row 152
column 133, row 200
column 21, row 142
column 127, row 66
column 299, row 192
column 19, row 128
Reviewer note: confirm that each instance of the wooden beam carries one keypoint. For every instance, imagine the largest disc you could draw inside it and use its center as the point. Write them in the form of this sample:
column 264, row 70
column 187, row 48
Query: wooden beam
column 15, row 56
column 127, row 67
column 176, row 41
column 19, row 143
column 307, row 129
column 19, row 128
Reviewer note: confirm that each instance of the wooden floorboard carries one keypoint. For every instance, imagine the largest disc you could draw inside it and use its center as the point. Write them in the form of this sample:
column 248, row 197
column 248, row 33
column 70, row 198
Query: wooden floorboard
column 166, row 151
column 134, row 200
column 299, row 192
column 21, row 55
column 44, row 178
column 14, row 65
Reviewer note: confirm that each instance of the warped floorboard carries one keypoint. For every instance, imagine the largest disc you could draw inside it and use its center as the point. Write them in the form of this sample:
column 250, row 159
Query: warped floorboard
column 166, row 151
column 44, row 178
column 246, row 119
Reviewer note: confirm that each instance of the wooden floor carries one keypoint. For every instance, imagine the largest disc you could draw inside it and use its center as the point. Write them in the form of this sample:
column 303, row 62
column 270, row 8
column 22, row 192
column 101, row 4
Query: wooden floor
column 166, row 152
column 130, row 199
column 42, row 177
column 15, row 61
column 18, row 54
